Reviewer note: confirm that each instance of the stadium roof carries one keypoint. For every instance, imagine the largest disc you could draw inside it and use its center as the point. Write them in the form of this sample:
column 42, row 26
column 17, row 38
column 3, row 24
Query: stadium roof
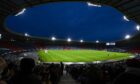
column 130, row 8
column 77, row 20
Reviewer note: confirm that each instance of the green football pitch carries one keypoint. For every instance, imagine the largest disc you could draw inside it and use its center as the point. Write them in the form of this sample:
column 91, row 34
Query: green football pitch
column 80, row 55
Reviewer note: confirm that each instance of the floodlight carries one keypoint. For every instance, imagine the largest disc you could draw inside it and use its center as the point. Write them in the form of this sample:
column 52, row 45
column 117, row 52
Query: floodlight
column 138, row 27
column 111, row 44
column 21, row 12
column 53, row 38
column 69, row 39
column 91, row 4
column 125, row 18
column 0, row 36
column 26, row 34
column 127, row 37
column 81, row 41
column 97, row 41
column 107, row 44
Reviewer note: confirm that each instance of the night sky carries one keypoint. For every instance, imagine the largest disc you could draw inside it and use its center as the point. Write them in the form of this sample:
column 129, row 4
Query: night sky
column 75, row 20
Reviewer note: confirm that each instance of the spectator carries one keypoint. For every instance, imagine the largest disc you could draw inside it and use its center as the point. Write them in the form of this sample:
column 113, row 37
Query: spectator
column 54, row 74
column 25, row 75
column 62, row 67
column 3, row 65
column 131, row 74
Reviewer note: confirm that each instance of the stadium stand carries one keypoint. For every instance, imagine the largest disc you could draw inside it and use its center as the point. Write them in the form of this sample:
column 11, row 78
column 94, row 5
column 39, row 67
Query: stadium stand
column 103, row 73
column 135, row 50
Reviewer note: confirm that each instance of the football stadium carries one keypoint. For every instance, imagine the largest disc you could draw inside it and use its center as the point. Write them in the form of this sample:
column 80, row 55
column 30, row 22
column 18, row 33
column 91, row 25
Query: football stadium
column 69, row 42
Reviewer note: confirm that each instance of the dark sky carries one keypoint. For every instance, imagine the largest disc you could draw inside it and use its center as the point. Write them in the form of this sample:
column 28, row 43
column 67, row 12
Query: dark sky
column 75, row 20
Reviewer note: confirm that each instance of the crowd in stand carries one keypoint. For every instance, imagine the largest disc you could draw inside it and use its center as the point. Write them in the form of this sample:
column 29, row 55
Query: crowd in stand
column 96, row 73
column 28, row 72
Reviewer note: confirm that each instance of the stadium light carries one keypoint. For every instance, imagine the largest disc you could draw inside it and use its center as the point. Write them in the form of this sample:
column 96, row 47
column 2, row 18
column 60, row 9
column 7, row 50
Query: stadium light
column 97, row 41
column 81, row 41
column 69, row 39
column 107, row 44
column 127, row 37
column 53, row 38
column 138, row 27
column 0, row 36
column 91, row 4
column 21, row 12
column 125, row 18
column 26, row 34
column 111, row 44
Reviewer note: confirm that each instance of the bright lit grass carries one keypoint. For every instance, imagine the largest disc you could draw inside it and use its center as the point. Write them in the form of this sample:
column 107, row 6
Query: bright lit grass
column 80, row 55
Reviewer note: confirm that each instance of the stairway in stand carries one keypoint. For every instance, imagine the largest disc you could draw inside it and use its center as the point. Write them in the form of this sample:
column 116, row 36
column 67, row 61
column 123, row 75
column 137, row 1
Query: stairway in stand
column 67, row 79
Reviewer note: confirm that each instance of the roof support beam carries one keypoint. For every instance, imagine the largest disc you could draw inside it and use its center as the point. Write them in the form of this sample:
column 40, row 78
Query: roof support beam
column 3, row 14
column 28, row 3
column 135, row 15
column 115, row 3
column 124, row 3
column 9, row 5
column 4, row 11
column 6, row 7
column 14, row 4
column 129, row 8
column 133, row 12
column 40, row 1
